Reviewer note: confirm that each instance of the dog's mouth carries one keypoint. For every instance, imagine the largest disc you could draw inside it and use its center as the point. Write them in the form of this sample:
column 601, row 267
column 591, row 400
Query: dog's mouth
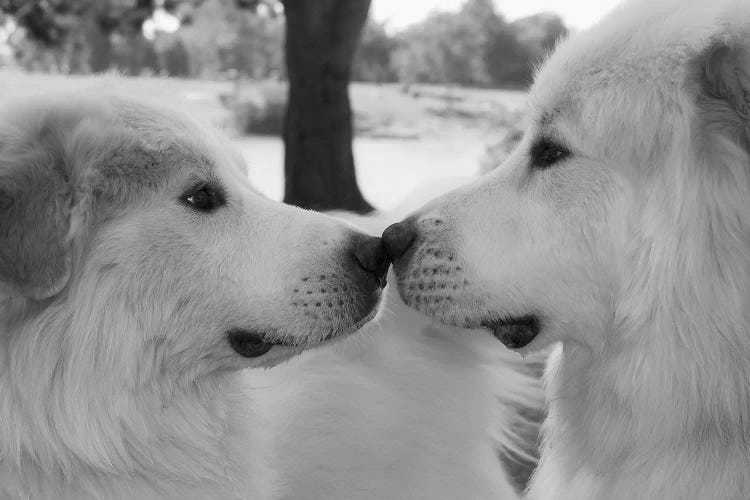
column 254, row 344
column 515, row 332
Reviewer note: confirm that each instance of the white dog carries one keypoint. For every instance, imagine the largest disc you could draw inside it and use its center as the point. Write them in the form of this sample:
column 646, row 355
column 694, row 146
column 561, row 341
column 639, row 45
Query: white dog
column 140, row 274
column 620, row 228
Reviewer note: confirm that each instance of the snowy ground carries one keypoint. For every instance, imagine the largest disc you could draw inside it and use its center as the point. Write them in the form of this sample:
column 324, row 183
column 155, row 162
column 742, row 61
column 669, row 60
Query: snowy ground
column 449, row 143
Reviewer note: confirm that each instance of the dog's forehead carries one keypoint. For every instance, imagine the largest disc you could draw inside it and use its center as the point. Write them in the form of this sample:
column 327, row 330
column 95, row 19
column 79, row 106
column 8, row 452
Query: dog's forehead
column 644, row 45
column 144, row 165
column 147, row 146
column 625, row 78
column 176, row 134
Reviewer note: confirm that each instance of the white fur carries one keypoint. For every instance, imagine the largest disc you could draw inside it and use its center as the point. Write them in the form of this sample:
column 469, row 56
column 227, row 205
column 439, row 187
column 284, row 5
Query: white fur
column 634, row 252
column 405, row 409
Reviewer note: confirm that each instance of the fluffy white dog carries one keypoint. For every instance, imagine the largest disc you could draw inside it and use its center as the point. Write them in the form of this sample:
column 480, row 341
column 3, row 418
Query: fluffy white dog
column 620, row 228
column 140, row 274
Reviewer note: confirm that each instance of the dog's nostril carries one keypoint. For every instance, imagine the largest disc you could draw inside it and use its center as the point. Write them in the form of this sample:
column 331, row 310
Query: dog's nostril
column 372, row 257
column 397, row 238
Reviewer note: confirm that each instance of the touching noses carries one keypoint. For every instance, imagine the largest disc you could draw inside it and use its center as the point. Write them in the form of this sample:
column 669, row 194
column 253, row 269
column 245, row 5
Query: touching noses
column 397, row 238
column 372, row 257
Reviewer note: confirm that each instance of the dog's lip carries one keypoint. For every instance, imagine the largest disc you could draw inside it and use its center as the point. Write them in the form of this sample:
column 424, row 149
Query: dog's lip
column 346, row 332
column 250, row 343
column 515, row 332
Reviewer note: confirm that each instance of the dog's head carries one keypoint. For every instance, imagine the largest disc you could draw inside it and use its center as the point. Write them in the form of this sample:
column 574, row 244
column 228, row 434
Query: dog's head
column 131, row 242
column 629, row 191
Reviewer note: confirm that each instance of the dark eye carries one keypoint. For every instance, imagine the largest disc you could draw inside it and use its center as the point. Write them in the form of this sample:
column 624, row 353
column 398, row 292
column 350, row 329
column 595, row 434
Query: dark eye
column 204, row 198
column 545, row 153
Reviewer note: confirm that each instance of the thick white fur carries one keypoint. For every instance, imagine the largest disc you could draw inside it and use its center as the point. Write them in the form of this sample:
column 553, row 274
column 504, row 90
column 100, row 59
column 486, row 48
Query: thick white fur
column 121, row 386
column 634, row 252
column 406, row 409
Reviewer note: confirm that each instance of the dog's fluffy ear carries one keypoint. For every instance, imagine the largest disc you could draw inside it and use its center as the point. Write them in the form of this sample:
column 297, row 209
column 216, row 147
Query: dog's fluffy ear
column 35, row 201
column 724, row 95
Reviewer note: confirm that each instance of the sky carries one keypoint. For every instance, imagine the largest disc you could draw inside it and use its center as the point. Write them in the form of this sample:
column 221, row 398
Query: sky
column 576, row 14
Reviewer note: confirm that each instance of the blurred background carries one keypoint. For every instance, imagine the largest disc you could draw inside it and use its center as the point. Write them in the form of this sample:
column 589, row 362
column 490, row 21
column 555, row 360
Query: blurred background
column 336, row 104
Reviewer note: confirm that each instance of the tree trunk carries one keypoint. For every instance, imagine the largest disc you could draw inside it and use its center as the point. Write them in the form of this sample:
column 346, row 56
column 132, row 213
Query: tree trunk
column 321, row 38
column 100, row 58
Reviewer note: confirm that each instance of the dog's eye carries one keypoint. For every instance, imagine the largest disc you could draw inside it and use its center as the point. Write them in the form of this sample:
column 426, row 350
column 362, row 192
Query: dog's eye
column 545, row 153
column 204, row 198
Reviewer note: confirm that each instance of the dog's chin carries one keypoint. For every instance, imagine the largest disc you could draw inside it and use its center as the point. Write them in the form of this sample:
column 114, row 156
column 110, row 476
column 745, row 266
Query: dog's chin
column 514, row 331
column 267, row 349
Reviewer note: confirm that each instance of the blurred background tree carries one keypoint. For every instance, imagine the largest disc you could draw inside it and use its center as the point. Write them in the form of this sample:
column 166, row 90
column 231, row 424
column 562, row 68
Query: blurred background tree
column 474, row 46
column 226, row 38
column 321, row 39
column 328, row 42
column 80, row 36
column 373, row 59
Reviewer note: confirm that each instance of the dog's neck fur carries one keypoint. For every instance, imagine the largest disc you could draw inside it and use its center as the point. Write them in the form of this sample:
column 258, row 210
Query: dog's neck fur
column 88, row 439
column 621, row 434
column 662, row 408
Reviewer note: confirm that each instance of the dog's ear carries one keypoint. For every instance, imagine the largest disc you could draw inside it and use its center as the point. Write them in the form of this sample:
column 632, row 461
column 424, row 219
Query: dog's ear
column 723, row 72
column 35, row 201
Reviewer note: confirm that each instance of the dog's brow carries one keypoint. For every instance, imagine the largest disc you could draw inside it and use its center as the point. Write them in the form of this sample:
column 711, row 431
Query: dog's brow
column 204, row 175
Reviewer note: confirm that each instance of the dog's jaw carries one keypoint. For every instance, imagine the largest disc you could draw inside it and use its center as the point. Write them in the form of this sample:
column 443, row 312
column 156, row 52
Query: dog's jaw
column 436, row 283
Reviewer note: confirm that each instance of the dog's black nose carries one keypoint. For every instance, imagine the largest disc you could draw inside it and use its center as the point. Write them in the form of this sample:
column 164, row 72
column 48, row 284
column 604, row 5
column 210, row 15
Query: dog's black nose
column 372, row 257
column 397, row 238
